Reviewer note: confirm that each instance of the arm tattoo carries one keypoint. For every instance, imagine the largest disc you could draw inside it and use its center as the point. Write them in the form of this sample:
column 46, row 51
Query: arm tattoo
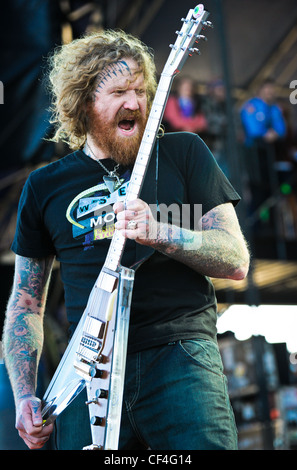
column 215, row 219
column 23, row 329
column 219, row 250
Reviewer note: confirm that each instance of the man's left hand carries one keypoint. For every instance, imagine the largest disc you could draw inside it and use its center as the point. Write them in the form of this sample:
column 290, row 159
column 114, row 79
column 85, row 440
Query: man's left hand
column 135, row 221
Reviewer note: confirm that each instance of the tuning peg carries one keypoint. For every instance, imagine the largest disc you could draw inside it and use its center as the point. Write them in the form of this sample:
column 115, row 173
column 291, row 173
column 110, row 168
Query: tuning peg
column 194, row 50
column 207, row 24
column 172, row 46
column 94, row 400
column 200, row 36
column 99, row 393
column 179, row 33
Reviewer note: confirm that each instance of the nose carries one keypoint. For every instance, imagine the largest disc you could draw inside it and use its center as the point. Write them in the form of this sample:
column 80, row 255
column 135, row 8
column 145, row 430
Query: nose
column 131, row 101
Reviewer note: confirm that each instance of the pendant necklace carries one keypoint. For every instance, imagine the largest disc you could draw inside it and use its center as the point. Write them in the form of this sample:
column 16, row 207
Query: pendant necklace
column 111, row 180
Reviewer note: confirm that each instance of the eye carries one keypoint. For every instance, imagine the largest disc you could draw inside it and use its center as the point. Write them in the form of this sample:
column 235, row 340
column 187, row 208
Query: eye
column 140, row 92
column 119, row 92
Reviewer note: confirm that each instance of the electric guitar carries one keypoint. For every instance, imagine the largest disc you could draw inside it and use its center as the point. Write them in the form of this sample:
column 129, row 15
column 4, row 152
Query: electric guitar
column 96, row 355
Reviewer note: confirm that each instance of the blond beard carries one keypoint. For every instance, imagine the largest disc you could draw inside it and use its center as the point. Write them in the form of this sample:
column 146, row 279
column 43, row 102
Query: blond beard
column 122, row 150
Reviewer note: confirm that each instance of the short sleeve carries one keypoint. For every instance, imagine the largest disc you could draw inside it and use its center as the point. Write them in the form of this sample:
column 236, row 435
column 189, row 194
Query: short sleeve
column 207, row 184
column 31, row 237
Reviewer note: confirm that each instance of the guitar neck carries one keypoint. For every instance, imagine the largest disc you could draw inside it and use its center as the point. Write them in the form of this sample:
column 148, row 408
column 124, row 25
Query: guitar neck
column 149, row 137
column 183, row 47
column 117, row 245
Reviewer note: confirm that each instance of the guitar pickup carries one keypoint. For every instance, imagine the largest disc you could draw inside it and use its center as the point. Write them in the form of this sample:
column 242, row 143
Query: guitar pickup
column 90, row 342
column 88, row 349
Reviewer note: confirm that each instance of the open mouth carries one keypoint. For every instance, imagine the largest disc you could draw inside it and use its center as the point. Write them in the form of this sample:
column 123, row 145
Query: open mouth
column 127, row 125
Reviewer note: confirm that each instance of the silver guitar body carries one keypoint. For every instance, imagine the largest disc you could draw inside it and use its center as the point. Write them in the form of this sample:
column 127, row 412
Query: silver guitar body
column 96, row 358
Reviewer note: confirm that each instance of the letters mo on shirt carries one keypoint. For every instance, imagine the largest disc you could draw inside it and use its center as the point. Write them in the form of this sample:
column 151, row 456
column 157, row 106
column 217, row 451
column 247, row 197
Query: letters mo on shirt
column 91, row 212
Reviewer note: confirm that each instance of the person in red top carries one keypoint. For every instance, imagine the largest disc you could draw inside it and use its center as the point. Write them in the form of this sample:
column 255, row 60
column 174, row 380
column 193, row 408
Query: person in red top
column 182, row 111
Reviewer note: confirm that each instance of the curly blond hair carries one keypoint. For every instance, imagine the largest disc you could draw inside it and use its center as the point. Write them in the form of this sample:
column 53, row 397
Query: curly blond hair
column 73, row 77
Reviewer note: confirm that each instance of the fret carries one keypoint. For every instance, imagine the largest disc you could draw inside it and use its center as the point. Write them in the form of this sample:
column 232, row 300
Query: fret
column 157, row 108
column 144, row 150
column 154, row 119
column 115, row 252
column 133, row 190
column 135, row 186
column 149, row 138
column 140, row 165
column 116, row 249
column 138, row 174
column 152, row 126
column 138, row 169
column 159, row 103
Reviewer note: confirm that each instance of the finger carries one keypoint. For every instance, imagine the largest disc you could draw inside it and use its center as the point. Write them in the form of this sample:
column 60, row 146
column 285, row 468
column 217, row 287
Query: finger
column 118, row 207
column 31, row 416
column 33, row 442
column 37, row 435
column 127, row 215
column 134, row 205
column 124, row 225
column 36, row 413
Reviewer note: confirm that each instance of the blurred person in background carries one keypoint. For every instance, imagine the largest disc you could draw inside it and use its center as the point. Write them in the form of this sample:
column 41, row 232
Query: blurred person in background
column 183, row 112
column 262, row 118
column 265, row 131
column 214, row 109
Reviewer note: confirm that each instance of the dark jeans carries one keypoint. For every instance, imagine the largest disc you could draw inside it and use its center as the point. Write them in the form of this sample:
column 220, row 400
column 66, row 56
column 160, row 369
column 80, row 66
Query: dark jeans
column 175, row 398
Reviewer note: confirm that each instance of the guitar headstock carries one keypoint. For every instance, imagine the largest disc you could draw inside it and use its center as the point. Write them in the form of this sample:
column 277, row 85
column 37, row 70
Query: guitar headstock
column 187, row 38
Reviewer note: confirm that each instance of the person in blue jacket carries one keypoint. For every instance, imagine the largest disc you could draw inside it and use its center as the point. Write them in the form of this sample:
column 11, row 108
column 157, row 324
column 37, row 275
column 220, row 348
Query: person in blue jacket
column 265, row 132
column 262, row 118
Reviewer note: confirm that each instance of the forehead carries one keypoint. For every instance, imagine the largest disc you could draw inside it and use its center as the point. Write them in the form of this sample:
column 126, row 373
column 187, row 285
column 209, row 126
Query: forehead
column 121, row 73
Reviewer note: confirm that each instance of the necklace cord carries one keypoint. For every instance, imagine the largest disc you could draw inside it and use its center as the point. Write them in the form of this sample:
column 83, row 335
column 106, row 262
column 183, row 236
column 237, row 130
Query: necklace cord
column 112, row 173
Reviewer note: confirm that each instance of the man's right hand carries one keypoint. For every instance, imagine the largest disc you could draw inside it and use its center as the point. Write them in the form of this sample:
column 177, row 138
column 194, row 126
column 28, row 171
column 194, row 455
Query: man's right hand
column 29, row 423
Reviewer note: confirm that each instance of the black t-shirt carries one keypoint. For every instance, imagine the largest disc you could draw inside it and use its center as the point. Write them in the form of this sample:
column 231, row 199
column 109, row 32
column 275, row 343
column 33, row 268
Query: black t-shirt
column 66, row 210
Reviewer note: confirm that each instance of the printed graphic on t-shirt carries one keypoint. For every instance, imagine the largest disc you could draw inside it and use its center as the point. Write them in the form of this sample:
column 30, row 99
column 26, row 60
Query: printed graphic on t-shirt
column 91, row 212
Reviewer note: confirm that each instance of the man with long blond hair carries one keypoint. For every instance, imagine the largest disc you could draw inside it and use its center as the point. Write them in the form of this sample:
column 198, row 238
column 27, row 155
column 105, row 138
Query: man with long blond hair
column 175, row 393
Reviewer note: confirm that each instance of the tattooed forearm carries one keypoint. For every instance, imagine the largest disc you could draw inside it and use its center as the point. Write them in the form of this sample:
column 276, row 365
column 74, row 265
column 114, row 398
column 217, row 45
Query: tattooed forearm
column 218, row 250
column 23, row 329
column 30, row 279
